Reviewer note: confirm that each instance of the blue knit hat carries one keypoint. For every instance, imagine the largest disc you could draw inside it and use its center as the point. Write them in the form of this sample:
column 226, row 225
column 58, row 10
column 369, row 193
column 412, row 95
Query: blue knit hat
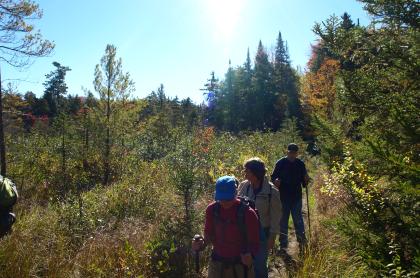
column 225, row 189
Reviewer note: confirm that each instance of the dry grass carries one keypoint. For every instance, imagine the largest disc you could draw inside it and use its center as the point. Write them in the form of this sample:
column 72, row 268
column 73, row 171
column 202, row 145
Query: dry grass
column 327, row 255
column 117, row 253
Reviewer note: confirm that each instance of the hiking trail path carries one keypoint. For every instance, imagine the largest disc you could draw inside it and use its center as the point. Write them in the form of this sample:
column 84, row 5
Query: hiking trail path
column 279, row 267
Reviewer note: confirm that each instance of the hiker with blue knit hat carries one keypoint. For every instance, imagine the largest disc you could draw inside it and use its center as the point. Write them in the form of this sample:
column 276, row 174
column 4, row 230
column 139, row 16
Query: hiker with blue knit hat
column 232, row 228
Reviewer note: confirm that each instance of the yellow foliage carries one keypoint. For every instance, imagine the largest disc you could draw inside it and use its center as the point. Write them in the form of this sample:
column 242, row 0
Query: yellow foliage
column 319, row 91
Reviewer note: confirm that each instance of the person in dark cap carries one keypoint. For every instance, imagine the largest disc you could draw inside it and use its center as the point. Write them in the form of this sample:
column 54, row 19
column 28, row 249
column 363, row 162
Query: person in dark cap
column 289, row 176
column 233, row 230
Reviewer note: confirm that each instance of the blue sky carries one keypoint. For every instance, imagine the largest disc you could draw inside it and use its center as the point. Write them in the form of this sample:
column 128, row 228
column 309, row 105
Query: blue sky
column 174, row 42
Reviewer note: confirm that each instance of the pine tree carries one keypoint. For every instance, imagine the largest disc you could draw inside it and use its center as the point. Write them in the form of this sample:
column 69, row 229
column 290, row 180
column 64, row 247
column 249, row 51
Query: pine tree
column 112, row 85
column 287, row 98
column 189, row 113
column 346, row 22
column 248, row 67
column 211, row 94
column 19, row 42
column 242, row 89
column 248, row 96
column 376, row 118
column 231, row 104
column 56, row 89
column 281, row 57
column 175, row 111
column 263, row 90
column 161, row 98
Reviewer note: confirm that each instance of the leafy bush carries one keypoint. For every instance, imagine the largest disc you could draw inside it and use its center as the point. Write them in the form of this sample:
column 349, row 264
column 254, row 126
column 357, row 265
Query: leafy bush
column 380, row 220
column 132, row 227
column 167, row 255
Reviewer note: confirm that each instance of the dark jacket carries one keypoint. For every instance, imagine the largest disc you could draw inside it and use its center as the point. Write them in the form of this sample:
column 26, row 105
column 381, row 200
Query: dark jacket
column 292, row 176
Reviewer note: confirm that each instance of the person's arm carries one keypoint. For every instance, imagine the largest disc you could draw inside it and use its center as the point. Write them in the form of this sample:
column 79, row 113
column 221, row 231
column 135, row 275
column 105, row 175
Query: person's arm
column 242, row 189
column 306, row 180
column 275, row 177
column 276, row 173
column 253, row 231
column 199, row 244
column 209, row 226
column 276, row 212
column 252, row 236
column 305, row 175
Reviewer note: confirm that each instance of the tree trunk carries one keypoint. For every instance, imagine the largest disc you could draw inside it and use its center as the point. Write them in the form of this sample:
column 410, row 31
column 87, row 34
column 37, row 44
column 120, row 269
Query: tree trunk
column 63, row 146
column 86, row 141
column 2, row 143
column 107, row 139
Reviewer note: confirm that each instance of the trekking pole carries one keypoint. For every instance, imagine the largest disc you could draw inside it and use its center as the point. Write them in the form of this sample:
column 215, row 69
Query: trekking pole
column 307, row 204
column 197, row 261
column 197, row 254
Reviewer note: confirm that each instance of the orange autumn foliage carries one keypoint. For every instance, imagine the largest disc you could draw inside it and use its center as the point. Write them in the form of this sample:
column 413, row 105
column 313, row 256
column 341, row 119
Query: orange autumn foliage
column 318, row 89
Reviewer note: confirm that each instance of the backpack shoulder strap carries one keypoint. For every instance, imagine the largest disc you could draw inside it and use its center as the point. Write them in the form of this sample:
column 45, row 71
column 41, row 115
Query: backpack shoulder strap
column 216, row 212
column 241, row 210
column 216, row 218
column 8, row 193
column 14, row 189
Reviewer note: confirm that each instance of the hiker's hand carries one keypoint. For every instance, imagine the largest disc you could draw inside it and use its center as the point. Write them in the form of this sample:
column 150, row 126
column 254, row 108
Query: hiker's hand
column 246, row 259
column 270, row 242
column 197, row 243
column 277, row 183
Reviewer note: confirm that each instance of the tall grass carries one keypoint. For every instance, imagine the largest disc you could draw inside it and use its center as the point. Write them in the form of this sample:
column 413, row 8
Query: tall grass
column 132, row 228
column 327, row 254
column 114, row 231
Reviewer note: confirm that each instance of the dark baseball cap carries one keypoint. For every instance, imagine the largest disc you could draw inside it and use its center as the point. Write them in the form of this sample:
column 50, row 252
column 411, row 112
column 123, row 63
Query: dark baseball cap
column 292, row 147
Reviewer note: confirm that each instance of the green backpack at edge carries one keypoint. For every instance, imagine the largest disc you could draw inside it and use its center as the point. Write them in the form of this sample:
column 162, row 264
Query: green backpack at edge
column 8, row 193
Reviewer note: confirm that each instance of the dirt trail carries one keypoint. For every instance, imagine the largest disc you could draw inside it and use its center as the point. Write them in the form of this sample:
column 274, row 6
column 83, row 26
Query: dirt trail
column 286, row 267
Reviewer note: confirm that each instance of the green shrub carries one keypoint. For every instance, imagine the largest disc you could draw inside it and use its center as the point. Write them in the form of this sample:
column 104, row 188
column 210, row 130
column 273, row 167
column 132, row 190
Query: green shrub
column 167, row 255
column 380, row 220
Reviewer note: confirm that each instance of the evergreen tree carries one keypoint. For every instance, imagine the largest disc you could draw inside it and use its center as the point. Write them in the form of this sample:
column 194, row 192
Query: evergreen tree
column 231, row 101
column 255, row 98
column 281, row 58
column 346, row 22
column 248, row 68
column 248, row 96
column 211, row 94
column 112, row 85
column 175, row 110
column 287, row 103
column 189, row 113
column 242, row 89
column 73, row 104
column 89, row 122
column 55, row 89
column 19, row 42
column 263, row 95
column 376, row 118
column 282, row 81
column 161, row 97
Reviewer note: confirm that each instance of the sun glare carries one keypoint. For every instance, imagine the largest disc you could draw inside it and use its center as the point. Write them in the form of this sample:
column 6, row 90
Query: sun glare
column 224, row 16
